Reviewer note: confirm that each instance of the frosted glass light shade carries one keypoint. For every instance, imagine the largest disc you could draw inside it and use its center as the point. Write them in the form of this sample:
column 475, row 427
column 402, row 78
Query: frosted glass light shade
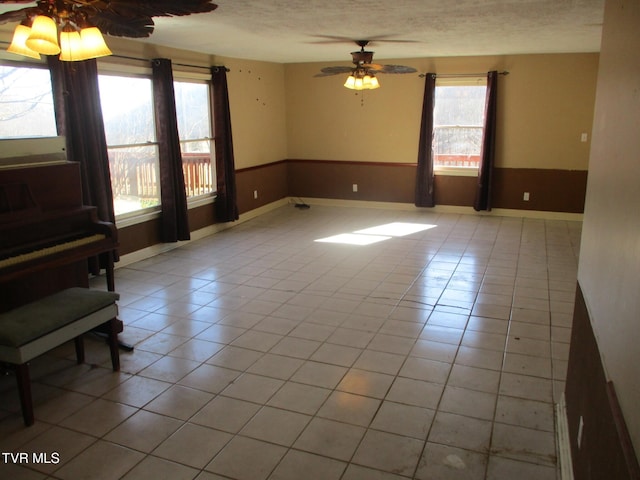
column 71, row 47
column 369, row 82
column 44, row 36
column 351, row 82
column 18, row 46
column 93, row 43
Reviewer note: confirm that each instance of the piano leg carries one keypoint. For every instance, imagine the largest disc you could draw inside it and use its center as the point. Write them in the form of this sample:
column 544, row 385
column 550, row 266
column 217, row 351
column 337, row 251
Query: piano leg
column 109, row 269
column 111, row 286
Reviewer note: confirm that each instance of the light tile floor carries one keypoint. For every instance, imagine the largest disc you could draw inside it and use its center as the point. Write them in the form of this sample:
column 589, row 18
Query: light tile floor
column 263, row 354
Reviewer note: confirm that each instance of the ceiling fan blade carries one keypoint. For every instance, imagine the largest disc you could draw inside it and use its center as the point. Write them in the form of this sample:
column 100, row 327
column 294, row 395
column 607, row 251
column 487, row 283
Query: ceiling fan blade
column 156, row 8
column 331, row 39
column 372, row 39
column 394, row 69
column 119, row 26
column 337, row 70
column 121, row 18
column 373, row 66
column 16, row 15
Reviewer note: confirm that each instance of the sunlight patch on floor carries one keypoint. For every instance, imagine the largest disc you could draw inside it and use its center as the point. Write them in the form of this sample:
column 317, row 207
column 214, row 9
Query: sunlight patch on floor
column 379, row 233
column 396, row 229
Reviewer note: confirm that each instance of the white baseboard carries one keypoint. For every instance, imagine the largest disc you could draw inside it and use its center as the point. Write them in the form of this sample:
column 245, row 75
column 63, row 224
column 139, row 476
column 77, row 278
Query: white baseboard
column 496, row 212
column 565, row 466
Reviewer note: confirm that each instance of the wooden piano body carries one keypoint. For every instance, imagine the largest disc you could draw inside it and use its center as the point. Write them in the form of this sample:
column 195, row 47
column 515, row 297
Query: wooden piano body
column 47, row 235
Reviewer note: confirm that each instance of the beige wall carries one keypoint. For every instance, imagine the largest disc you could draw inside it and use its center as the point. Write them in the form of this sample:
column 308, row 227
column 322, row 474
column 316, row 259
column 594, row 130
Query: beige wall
column 256, row 95
column 257, row 98
column 610, row 250
column 545, row 104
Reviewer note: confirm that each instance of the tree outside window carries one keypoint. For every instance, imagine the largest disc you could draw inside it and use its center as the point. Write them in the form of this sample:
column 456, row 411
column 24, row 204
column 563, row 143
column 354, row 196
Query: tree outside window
column 26, row 103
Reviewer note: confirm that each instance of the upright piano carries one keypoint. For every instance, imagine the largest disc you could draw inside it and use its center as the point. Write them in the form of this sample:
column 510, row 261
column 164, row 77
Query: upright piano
column 47, row 235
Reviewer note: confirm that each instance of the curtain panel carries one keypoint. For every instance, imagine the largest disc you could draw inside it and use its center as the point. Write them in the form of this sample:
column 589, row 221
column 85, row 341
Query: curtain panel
column 226, row 195
column 424, row 196
column 78, row 113
column 79, row 118
column 173, row 196
column 488, row 149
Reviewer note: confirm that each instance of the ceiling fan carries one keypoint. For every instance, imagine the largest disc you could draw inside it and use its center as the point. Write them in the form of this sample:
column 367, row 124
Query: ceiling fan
column 119, row 18
column 362, row 76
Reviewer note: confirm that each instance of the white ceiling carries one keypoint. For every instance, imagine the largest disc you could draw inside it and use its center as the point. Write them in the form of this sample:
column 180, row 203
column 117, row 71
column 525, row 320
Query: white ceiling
column 290, row 31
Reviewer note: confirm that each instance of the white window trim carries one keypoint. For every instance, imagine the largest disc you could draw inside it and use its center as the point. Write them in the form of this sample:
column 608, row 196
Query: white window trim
column 458, row 82
column 201, row 78
column 138, row 216
column 455, row 171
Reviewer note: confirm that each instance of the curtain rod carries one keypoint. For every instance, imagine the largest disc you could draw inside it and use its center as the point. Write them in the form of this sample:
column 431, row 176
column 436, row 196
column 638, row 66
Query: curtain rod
column 146, row 60
column 126, row 57
column 453, row 75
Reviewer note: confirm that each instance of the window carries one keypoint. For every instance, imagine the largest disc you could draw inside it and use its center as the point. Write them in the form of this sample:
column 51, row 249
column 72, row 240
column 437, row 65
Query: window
column 194, row 128
column 127, row 110
column 26, row 103
column 458, row 122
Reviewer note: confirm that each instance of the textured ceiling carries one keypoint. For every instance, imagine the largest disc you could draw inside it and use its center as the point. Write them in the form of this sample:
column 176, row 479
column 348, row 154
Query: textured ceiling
column 288, row 31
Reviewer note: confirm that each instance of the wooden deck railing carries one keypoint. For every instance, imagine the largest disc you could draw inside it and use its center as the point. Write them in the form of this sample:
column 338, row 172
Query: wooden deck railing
column 198, row 174
column 141, row 179
column 457, row 160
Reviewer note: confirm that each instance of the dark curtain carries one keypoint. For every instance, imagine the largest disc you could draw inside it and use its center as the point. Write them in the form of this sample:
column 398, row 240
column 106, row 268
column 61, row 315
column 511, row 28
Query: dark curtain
column 226, row 195
column 424, row 178
column 488, row 150
column 79, row 118
column 173, row 196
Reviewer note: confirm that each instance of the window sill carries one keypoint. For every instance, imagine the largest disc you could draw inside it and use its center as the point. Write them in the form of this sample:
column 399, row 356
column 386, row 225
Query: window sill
column 456, row 171
column 136, row 217
column 141, row 216
column 201, row 200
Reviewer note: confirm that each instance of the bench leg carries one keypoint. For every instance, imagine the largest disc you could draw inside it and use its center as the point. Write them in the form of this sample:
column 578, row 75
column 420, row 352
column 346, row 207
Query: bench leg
column 79, row 349
column 114, row 344
column 24, row 390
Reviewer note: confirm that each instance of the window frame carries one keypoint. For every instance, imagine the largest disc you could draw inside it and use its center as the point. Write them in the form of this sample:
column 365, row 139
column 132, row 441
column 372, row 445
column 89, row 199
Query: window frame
column 109, row 67
column 204, row 79
column 142, row 214
column 39, row 65
column 462, row 81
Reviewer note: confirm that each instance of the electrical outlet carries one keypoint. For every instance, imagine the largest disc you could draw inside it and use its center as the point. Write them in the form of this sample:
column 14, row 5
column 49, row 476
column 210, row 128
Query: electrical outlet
column 255, row 194
column 355, row 187
column 525, row 197
column 584, row 137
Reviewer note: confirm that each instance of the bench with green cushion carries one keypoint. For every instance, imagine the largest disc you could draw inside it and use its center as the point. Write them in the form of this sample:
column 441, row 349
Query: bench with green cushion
column 33, row 329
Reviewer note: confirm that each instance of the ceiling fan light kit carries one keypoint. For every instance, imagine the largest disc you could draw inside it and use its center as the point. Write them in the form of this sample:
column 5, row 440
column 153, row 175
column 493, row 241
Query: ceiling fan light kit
column 363, row 76
column 73, row 29
column 361, row 80
column 74, row 44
